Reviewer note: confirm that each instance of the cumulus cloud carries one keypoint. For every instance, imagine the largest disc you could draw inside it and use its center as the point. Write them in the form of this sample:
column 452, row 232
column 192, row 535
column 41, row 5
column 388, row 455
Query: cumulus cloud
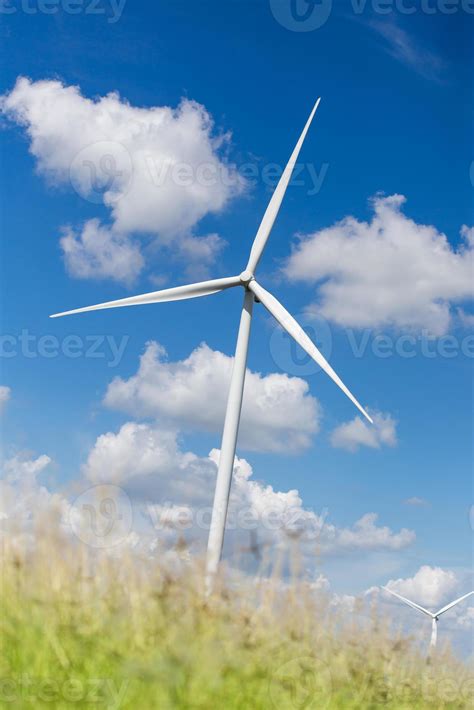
column 140, row 490
column 22, row 495
column 199, row 254
column 390, row 271
column 278, row 413
column 366, row 534
column 149, row 462
column 159, row 170
column 5, row 393
column 430, row 586
column 32, row 514
column 178, row 488
column 98, row 252
column 356, row 433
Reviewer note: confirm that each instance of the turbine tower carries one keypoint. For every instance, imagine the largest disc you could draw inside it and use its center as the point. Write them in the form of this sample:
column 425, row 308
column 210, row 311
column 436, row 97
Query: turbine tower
column 433, row 616
column 253, row 291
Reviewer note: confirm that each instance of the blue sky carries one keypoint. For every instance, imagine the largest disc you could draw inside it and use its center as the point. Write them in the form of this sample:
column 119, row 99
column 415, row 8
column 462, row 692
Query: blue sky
column 395, row 118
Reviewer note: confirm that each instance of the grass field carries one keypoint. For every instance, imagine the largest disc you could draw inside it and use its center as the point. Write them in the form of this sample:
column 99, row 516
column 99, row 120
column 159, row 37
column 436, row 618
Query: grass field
column 89, row 631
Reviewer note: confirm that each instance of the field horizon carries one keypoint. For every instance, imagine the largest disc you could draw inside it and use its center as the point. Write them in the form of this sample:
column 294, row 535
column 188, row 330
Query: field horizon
column 87, row 628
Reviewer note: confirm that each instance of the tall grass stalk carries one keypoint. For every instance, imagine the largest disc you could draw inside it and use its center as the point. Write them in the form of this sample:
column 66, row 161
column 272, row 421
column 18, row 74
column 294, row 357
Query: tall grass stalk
column 83, row 628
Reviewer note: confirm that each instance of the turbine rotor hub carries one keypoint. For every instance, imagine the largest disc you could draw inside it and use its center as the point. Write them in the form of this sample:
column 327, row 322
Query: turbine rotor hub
column 246, row 277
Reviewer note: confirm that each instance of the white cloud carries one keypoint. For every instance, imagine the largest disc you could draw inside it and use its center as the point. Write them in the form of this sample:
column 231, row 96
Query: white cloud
column 150, row 463
column 179, row 488
column 5, row 393
column 403, row 47
column 158, row 170
column 468, row 234
column 366, row 535
column 467, row 319
column 465, row 618
column 321, row 585
column 278, row 413
column 100, row 253
column 356, row 433
column 430, row 586
column 390, row 271
column 141, row 491
column 199, row 254
column 416, row 502
column 22, row 496
column 346, row 604
column 31, row 514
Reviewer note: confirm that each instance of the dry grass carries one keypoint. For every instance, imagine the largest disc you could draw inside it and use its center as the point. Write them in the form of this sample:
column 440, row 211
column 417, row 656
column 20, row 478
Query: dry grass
column 86, row 630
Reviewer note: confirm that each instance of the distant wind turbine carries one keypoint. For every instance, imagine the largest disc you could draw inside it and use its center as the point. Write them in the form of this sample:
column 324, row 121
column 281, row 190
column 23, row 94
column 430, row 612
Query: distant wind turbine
column 253, row 291
column 434, row 616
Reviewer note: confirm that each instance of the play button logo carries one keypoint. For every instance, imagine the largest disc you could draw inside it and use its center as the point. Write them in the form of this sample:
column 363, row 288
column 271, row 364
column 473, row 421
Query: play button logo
column 301, row 15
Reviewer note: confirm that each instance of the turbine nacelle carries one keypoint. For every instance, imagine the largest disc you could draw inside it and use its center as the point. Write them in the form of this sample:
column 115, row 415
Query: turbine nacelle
column 246, row 277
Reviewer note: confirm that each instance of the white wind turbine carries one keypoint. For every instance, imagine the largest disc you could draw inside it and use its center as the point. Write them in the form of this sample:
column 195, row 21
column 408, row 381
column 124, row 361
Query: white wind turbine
column 253, row 291
column 434, row 616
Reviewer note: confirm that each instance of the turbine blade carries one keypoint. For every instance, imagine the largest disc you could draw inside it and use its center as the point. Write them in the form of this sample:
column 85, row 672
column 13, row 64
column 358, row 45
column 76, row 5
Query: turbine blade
column 407, row 601
column 448, row 606
column 296, row 331
column 205, row 288
column 277, row 198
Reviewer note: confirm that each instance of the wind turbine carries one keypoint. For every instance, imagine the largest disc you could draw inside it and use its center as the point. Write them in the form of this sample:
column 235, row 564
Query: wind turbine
column 253, row 291
column 433, row 616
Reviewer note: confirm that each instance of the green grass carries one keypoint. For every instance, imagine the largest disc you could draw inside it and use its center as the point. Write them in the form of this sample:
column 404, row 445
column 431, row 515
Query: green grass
column 90, row 631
